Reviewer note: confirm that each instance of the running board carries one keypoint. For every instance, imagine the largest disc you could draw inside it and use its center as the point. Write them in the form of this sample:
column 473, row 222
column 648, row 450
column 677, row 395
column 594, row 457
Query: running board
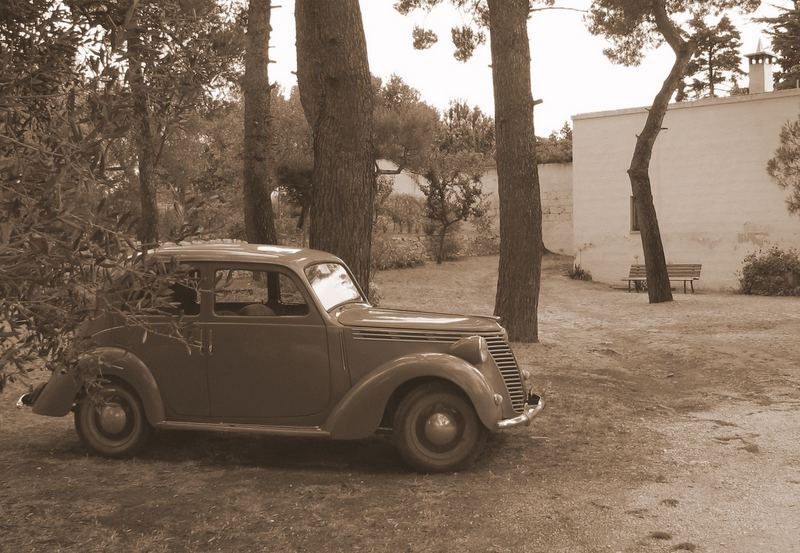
column 304, row 431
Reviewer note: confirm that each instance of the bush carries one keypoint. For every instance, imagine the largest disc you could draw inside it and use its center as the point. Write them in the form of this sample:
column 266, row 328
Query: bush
column 576, row 272
column 390, row 252
column 454, row 245
column 774, row 272
column 485, row 240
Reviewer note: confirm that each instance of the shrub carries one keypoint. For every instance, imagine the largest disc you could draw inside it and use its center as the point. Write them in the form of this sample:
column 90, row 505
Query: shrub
column 485, row 240
column 576, row 272
column 774, row 272
column 454, row 245
column 389, row 252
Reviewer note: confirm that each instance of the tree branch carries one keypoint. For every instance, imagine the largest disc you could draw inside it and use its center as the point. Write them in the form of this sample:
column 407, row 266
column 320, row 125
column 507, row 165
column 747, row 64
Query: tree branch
column 31, row 146
column 667, row 27
column 561, row 8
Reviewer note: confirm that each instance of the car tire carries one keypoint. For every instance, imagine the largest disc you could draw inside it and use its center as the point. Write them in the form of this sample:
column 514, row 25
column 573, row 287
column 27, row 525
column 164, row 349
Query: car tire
column 436, row 428
column 112, row 423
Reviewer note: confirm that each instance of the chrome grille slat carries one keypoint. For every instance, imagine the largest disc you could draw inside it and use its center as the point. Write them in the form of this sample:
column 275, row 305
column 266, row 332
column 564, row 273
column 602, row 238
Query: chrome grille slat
column 498, row 348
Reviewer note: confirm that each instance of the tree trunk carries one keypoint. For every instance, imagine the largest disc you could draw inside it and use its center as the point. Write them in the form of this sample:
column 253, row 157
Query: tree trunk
column 336, row 93
column 259, row 221
column 440, row 255
column 145, row 146
column 517, row 299
column 658, row 287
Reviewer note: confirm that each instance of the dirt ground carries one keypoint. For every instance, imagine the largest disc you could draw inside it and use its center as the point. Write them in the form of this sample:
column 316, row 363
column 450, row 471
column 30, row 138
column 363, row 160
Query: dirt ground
column 671, row 427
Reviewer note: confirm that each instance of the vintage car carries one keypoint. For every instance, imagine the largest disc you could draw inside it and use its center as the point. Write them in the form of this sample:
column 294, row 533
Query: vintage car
column 286, row 343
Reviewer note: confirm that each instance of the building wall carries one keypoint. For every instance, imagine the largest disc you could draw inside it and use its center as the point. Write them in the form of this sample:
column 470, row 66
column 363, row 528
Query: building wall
column 714, row 199
column 555, row 181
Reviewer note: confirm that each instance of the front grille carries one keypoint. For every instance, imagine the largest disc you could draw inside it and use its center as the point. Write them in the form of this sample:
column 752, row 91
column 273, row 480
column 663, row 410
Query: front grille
column 507, row 363
column 498, row 347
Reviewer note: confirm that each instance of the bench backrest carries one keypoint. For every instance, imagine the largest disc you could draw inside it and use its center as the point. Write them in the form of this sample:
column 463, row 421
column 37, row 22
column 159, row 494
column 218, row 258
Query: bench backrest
column 674, row 271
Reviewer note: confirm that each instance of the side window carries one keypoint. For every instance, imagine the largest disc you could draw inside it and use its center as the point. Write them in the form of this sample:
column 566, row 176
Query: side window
column 248, row 293
column 157, row 290
column 184, row 294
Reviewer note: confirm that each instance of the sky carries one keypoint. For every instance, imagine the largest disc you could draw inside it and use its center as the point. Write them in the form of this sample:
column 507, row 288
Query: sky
column 569, row 71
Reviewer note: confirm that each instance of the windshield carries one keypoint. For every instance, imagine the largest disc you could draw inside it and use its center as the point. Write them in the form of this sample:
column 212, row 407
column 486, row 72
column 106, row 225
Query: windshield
column 332, row 284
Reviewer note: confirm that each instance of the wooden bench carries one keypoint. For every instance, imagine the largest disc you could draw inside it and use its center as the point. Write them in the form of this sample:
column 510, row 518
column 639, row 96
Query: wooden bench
column 687, row 272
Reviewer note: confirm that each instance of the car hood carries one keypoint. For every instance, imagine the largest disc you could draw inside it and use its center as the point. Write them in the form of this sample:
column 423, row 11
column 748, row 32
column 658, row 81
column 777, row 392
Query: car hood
column 364, row 316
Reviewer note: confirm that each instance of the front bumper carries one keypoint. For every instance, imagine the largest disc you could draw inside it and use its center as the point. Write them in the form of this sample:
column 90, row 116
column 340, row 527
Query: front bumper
column 27, row 400
column 532, row 408
column 24, row 400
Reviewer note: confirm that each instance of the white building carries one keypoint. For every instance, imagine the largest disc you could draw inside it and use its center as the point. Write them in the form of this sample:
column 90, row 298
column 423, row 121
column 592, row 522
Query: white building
column 714, row 199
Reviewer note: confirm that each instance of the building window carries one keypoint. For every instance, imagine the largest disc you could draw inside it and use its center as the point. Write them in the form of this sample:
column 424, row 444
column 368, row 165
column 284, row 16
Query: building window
column 634, row 215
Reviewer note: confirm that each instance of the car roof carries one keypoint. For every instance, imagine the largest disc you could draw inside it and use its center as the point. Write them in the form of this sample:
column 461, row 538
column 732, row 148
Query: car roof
column 242, row 252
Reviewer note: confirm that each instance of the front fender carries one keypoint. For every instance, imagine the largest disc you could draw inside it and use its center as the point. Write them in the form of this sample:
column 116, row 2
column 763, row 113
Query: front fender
column 359, row 412
column 57, row 398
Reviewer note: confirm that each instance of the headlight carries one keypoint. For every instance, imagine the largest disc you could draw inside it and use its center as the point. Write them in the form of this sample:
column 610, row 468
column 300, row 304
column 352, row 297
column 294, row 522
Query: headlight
column 472, row 349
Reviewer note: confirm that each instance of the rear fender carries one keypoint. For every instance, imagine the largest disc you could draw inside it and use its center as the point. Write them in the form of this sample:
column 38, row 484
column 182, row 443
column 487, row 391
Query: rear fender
column 62, row 390
column 359, row 412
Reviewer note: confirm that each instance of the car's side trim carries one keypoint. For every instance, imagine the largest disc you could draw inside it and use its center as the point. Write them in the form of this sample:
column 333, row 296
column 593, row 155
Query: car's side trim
column 303, row 431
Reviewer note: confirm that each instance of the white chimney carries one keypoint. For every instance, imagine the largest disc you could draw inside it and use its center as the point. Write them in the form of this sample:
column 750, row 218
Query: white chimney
column 761, row 70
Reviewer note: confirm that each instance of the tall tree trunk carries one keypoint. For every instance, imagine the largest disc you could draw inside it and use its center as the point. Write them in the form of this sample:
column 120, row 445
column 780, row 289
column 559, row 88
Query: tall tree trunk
column 658, row 287
column 336, row 93
column 517, row 299
column 259, row 221
column 145, row 145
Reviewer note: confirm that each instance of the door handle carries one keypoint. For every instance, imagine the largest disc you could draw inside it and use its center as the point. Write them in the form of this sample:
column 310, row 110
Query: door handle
column 210, row 343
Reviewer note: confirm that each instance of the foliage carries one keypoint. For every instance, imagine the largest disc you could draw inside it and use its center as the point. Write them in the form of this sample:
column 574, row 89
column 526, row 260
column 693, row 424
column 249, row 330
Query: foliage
column 405, row 126
column 785, row 166
column 61, row 237
column 784, row 30
column 393, row 252
column 632, row 28
column 454, row 244
column 466, row 37
column 159, row 62
column 774, row 272
column 716, row 61
column 556, row 148
column 293, row 151
column 485, row 240
column 406, row 212
column 576, row 272
column 453, row 192
column 465, row 129
column 423, row 38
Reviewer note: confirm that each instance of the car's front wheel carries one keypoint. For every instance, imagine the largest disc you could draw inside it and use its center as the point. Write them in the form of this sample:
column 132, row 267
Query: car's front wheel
column 112, row 421
column 436, row 428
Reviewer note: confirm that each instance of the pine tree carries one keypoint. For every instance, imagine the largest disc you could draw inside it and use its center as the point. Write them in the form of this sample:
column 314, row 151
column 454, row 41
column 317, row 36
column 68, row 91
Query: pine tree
column 716, row 61
column 784, row 30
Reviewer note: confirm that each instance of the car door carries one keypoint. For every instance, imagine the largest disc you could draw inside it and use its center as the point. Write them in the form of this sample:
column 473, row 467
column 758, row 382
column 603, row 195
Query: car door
column 171, row 348
column 267, row 347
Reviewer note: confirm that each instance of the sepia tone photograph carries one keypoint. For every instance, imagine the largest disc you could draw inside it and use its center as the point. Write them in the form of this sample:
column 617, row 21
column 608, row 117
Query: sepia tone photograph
column 412, row 276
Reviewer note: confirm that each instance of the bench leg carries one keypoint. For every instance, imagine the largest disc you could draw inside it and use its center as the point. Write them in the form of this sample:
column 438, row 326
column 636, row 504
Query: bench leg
column 691, row 282
column 684, row 286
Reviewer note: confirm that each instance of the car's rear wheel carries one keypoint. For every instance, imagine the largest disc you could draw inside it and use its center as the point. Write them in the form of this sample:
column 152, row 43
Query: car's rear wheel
column 112, row 421
column 436, row 428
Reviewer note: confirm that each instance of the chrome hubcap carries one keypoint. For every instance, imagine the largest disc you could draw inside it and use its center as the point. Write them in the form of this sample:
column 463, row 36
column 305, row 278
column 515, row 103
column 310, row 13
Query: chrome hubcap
column 113, row 418
column 440, row 429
